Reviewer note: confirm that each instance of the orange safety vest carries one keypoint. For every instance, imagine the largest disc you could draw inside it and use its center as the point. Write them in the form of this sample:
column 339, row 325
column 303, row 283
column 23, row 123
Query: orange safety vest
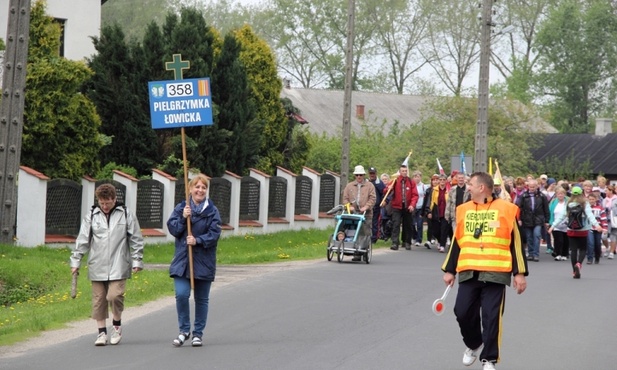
column 491, row 250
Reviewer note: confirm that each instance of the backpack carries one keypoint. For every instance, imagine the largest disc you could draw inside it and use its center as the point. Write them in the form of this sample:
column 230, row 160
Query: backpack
column 576, row 217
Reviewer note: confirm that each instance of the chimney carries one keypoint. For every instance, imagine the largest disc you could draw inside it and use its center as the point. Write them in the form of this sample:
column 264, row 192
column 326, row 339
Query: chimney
column 360, row 111
column 604, row 126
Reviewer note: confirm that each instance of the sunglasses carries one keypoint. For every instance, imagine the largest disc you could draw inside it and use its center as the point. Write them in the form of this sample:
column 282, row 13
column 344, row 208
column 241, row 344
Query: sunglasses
column 359, row 175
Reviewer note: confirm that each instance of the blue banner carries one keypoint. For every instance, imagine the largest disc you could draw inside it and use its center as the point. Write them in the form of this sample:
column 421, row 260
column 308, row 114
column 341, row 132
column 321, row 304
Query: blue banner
column 180, row 103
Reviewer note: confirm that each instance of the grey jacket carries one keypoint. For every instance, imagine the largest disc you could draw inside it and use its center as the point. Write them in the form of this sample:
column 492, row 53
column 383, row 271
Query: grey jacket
column 112, row 247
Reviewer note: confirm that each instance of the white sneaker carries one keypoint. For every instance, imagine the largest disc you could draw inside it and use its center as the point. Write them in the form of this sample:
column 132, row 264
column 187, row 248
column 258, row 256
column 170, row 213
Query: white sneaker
column 101, row 340
column 470, row 356
column 487, row 365
column 611, row 256
column 116, row 335
column 442, row 250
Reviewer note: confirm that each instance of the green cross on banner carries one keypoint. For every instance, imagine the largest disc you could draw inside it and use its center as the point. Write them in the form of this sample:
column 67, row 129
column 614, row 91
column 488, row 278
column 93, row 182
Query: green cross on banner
column 178, row 65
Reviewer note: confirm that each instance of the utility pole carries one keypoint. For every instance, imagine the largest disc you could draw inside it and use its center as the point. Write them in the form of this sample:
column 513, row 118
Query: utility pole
column 351, row 10
column 12, row 114
column 480, row 157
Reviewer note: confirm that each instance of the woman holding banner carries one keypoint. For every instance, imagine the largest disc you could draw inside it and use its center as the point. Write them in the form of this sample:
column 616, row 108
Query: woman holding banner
column 197, row 228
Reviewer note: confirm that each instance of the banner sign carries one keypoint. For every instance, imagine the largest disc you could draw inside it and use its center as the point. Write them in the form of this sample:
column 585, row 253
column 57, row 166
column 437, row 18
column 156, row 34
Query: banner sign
column 180, row 103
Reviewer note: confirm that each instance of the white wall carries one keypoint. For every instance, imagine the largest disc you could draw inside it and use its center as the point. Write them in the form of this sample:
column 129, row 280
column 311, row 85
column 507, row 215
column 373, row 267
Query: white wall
column 83, row 19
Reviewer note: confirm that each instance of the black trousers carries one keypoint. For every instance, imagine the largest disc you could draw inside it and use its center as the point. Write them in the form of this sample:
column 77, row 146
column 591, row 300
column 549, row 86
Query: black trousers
column 479, row 307
column 401, row 220
column 560, row 243
column 440, row 230
column 578, row 249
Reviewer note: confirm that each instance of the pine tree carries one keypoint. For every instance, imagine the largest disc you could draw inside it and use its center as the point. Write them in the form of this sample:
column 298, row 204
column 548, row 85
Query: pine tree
column 236, row 109
column 258, row 60
column 118, row 89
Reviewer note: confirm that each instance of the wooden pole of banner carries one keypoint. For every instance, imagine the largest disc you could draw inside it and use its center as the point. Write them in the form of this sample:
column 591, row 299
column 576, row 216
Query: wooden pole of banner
column 177, row 66
column 186, row 192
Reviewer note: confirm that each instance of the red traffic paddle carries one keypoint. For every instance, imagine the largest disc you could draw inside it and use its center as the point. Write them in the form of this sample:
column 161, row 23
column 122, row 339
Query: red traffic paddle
column 439, row 306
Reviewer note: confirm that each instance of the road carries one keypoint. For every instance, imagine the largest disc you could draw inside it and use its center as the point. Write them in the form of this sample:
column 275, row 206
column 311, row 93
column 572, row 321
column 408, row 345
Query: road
column 326, row 315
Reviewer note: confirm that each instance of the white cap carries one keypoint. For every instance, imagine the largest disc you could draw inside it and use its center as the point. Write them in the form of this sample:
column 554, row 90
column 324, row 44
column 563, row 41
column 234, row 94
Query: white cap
column 543, row 176
column 359, row 170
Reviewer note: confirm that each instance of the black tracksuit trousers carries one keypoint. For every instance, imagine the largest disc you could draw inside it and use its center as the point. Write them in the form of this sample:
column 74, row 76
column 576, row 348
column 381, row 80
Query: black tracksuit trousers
column 478, row 309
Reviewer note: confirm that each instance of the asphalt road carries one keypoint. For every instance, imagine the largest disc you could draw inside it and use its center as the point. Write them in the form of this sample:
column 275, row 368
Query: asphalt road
column 330, row 315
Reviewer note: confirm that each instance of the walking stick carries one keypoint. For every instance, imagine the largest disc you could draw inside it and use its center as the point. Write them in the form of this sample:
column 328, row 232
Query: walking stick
column 188, row 219
column 74, row 284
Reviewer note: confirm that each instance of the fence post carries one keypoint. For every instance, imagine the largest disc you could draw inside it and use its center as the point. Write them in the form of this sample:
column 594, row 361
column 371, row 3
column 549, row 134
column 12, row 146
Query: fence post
column 31, row 208
column 264, row 196
column 169, row 183
column 234, row 212
column 131, row 189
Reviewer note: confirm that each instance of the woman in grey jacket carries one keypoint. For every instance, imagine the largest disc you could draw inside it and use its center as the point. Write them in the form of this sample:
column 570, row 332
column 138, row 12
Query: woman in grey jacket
column 205, row 232
column 111, row 237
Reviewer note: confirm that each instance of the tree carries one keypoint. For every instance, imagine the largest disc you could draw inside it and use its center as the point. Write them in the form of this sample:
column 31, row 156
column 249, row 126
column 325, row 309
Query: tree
column 117, row 88
column 310, row 40
column 236, row 110
column 134, row 19
column 402, row 29
column 455, row 42
column 577, row 48
column 297, row 144
column 56, row 113
column 265, row 86
column 518, row 65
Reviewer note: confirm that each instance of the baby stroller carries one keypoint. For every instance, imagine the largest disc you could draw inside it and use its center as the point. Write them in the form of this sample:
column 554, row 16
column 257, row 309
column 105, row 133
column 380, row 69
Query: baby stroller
column 349, row 237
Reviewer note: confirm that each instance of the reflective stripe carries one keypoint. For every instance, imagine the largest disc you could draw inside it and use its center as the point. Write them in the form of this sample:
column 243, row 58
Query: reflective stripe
column 491, row 250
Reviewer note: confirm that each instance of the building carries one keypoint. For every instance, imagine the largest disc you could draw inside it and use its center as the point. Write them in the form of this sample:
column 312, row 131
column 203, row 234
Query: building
column 80, row 21
column 322, row 110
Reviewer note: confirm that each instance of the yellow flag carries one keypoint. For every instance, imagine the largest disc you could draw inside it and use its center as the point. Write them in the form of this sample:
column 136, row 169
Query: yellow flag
column 490, row 166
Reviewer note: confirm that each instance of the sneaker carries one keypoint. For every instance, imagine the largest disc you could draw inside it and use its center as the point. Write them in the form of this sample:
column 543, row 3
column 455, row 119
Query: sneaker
column 196, row 342
column 589, row 262
column 116, row 335
column 394, row 247
column 577, row 270
column 549, row 250
column 470, row 356
column 558, row 258
column 427, row 245
column 487, row 365
column 442, row 250
column 417, row 244
column 101, row 340
column 407, row 246
column 611, row 256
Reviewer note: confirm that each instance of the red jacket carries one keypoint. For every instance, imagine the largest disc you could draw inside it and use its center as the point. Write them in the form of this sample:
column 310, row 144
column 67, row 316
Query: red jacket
column 411, row 193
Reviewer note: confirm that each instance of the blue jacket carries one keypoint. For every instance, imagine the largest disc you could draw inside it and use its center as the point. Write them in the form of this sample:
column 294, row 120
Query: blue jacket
column 206, row 228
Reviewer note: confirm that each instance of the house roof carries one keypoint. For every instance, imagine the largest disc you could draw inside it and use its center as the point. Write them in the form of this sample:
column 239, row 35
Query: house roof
column 580, row 148
column 323, row 109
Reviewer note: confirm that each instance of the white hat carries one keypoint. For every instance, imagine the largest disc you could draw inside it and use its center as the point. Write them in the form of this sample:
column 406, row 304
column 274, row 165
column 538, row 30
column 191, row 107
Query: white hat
column 543, row 176
column 359, row 170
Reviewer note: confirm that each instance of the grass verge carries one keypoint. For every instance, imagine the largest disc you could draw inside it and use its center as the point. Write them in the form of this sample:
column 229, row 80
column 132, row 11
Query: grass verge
column 35, row 282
